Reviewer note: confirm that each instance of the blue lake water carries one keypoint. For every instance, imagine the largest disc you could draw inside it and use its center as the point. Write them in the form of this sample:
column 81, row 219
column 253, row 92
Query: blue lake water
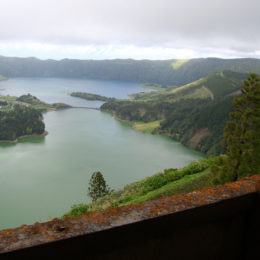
column 52, row 90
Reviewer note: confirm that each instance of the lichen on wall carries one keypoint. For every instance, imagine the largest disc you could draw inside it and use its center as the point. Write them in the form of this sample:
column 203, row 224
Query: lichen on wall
column 57, row 229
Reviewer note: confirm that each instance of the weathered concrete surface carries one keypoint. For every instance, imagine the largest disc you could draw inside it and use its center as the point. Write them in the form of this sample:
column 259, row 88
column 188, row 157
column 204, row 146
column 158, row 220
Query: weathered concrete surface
column 59, row 229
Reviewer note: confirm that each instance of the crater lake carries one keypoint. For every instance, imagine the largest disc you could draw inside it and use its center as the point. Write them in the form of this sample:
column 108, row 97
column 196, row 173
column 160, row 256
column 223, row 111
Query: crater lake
column 42, row 177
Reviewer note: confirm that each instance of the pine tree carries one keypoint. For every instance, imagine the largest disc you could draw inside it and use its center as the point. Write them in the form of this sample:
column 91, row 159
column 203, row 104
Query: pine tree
column 97, row 186
column 242, row 136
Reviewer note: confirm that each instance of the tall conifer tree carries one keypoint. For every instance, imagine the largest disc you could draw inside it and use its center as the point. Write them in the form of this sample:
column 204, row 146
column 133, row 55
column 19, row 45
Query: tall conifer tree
column 242, row 136
column 98, row 186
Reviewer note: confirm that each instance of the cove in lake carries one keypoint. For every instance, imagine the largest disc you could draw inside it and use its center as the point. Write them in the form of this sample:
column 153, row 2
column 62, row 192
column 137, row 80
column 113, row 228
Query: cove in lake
column 43, row 177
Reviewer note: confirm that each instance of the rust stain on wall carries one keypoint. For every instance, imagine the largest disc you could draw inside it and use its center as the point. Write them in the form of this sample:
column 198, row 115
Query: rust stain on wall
column 57, row 229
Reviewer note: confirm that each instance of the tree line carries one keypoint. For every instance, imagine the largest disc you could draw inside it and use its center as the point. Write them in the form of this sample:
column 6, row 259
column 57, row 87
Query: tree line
column 20, row 121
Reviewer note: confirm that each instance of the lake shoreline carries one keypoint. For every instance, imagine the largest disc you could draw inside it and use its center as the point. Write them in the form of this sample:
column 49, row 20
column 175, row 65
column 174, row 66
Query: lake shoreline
column 23, row 136
column 55, row 170
column 131, row 124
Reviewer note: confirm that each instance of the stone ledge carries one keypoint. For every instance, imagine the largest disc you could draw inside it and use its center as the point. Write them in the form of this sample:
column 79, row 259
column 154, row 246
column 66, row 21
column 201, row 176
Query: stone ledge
column 58, row 229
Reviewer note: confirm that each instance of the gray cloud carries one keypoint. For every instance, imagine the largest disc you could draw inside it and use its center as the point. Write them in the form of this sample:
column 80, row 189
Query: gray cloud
column 191, row 24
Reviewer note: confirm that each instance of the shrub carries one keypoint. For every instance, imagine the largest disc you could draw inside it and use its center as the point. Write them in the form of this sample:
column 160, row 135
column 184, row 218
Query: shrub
column 77, row 210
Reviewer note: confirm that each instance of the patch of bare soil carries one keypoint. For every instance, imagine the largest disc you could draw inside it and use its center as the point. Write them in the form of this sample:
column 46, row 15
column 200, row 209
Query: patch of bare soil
column 142, row 111
column 234, row 93
column 198, row 136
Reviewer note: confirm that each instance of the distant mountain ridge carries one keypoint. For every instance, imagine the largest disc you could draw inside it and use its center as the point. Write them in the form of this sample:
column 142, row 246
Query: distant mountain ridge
column 164, row 72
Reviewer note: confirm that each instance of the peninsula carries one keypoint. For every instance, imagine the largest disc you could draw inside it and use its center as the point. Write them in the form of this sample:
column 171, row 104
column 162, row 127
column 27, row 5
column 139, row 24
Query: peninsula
column 22, row 116
column 90, row 96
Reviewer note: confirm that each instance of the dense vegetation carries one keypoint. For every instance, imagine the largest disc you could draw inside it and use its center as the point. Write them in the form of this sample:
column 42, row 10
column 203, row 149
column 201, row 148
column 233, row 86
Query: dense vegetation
column 58, row 106
column 194, row 114
column 165, row 72
column 22, row 116
column 196, row 175
column 89, row 96
column 39, row 105
column 20, row 121
column 242, row 136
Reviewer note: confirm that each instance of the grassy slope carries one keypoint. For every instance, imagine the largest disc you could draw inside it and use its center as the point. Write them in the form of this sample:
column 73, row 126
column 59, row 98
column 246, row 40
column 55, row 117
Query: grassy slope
column 146, row 127
column 202, row 93
column 186, row 184
column 196, row 175
column 9, row 100
column 173, row 94
column 214, row 86
column 179, row 63
column 157, row 88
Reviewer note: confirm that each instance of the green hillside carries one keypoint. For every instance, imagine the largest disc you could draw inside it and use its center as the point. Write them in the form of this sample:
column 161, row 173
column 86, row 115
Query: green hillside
column 214, row 86
column 194, row 114
column 23, row 116
column 196, row 175
column 162, row 72
column 20, row 121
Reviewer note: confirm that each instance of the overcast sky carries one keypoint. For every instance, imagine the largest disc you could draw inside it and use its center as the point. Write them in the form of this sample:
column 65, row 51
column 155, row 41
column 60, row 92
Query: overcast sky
column 139, row 29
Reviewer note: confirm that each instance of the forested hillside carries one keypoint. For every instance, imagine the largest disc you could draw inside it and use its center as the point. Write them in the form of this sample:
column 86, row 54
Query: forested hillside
column 194, row 114
column 20, row 121
column 164, row 72
column 23, row 116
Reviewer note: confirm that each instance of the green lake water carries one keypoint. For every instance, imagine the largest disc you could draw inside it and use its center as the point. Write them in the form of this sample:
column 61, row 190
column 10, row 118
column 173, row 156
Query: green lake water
column 42, row 177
